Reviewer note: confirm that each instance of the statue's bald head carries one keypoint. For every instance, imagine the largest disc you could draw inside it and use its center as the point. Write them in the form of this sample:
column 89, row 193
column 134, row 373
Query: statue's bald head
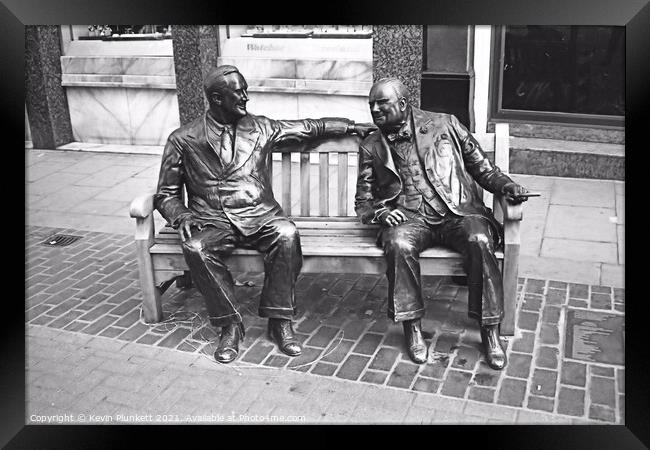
column 393, row 83
column 389, row 105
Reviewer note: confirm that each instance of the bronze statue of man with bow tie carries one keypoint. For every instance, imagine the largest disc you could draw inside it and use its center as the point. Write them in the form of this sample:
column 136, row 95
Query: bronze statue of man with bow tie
column 416, row 179
column 222, row 160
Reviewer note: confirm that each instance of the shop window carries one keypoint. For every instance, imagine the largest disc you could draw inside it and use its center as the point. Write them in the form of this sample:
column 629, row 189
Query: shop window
column 121, row 32
column 561, row 73
column 306, row 31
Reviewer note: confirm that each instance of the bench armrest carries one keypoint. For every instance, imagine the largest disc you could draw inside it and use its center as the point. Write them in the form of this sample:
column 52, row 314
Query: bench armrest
column 510, row 211
column 142, row 206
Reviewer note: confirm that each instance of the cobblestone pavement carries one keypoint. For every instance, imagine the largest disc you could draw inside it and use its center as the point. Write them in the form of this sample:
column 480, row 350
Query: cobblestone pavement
column 88, row 351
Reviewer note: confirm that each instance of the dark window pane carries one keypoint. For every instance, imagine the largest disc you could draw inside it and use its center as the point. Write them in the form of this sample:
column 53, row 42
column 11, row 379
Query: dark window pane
column 571, row 69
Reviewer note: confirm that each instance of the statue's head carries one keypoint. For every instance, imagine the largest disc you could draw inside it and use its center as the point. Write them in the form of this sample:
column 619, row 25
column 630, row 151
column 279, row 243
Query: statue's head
column 226, row 91
column 388, row 103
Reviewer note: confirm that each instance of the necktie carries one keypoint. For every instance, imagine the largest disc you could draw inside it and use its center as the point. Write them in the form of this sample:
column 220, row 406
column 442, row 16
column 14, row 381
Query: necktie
column 226, row 145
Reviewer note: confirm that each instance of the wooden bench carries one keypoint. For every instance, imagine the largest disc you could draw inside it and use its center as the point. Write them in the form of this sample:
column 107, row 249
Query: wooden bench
column 333, row 240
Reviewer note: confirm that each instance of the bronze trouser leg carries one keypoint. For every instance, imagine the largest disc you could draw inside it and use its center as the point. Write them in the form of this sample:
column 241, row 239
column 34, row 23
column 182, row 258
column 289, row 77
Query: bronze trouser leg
column 402, row 246
column 280, row 242
column 474, row 238
column 204, row 253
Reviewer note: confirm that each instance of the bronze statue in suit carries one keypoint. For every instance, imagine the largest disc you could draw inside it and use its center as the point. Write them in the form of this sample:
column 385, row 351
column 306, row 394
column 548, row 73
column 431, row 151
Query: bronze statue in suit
column 222, row 160
column 417, row 179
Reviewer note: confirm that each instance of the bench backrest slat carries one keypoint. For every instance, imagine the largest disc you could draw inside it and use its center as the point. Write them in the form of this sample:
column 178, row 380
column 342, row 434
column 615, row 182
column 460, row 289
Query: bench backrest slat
column 304, row 184
column 343, row 184
column 286, row 183
column 323, row 185
column 344, row 170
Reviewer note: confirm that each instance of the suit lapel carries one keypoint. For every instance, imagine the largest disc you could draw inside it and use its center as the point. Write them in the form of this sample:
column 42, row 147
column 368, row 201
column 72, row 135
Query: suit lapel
column 423, row 132
column 246, row 137
column 383, row 151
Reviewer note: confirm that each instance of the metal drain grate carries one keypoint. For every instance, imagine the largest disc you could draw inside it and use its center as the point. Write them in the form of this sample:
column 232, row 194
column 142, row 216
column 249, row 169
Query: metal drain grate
column 60, row 240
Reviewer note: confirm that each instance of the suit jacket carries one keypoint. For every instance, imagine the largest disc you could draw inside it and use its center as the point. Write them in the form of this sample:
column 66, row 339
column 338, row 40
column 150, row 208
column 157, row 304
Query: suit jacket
column 453, row 161
column 241, row 190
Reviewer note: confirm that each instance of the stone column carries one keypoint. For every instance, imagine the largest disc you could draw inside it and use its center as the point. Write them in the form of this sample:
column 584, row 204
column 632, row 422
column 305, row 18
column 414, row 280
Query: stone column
column 397, row 52
column 45, row 98
column 196, row 48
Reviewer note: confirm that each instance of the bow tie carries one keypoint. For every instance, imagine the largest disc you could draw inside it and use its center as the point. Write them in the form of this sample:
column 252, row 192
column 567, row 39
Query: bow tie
column 404, row 135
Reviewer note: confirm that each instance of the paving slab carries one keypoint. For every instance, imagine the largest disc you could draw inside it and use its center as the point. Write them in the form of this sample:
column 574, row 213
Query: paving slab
column 581, row 223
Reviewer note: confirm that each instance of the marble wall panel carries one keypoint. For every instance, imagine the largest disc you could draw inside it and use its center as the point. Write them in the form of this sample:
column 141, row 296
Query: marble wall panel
column 273, row 105
column 99, row 115
column 334, row 69
column 351, row 107
column 122, row 116
column 153, row 115
column 262, row 67
column 302, row 106
column 118, row 65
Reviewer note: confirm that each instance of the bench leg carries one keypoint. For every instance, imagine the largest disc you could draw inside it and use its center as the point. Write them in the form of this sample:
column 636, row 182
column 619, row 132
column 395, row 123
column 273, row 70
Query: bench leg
column 151, row 305
column 510, row 274
column 184, row 281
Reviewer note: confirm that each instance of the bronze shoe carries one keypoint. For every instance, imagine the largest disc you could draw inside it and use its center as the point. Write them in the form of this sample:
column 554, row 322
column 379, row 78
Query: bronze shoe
column 415, row 344
column 228, row 347
column 281, row 332
column 494, row 353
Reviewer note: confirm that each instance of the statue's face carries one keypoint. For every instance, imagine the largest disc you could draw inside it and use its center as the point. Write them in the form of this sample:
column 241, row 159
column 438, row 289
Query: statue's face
column 233, row 97
column 386, row 108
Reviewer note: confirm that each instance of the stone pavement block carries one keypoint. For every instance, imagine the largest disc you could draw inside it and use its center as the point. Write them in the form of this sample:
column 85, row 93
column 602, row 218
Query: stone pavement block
column 547, row 357
column 175, row 337
column 466, row 358
column 556, row 296
column 577, row 303
column 541, row 403
column 337, row 351
column 323, row 336
column 571, row 401
column 599, row 412
column 543, row 382
column 620, row 377
column 551, row 314
column 490, row 411
column 532, row 302
column 368, row 344
column 481, row 394
column 384, row 359
column 574, row 373
column 580, row 250
column 602, row 371
column 456, row 383
column 352, row 367
column 600, row 301
column 549, row 334
column 305, row 360
column 419, row 416
column 602, row 391
column 426, row 385
column 537, row 417
column 519, row 365
column 375, row 377
column 436, row 367
column 99, row 324
column 354, row 329
column 524, row 343
column 512, row 392
column 527, row 321
column 403, row 375
column 276, row 361
column 325, row 369
column 446, row 342
column 136, row 331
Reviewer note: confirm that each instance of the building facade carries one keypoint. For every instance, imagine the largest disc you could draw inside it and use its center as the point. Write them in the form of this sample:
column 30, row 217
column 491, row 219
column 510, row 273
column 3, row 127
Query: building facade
column 112, row 85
